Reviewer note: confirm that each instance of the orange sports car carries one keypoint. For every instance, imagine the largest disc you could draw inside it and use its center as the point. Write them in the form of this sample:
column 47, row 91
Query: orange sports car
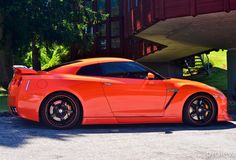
column 111, row 91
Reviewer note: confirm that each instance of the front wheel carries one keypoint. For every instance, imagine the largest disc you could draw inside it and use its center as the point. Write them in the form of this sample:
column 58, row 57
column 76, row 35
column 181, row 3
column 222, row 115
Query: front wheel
column 61, row 111
column 200, row 110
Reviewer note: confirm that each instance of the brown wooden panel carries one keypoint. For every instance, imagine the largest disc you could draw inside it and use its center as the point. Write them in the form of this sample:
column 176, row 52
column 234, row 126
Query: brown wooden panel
column 159, row 7
column 232, row 4
column 177, row 8
column 147, row 12
column 208, row 6
column 150, row 11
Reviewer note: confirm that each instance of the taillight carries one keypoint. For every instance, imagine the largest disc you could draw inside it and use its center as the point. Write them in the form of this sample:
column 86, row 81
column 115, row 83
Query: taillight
column 18, row 83
column 14, row 82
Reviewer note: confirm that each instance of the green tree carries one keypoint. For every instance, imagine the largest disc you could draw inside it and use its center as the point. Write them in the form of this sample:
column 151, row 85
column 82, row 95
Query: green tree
column 37, row 23
column 49, row 57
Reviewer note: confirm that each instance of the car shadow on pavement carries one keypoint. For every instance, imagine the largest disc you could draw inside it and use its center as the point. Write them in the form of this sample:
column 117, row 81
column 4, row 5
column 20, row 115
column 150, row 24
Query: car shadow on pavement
column 15, row 132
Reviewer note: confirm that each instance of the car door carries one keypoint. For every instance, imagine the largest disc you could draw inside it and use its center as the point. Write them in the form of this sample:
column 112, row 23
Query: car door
column 128, row 91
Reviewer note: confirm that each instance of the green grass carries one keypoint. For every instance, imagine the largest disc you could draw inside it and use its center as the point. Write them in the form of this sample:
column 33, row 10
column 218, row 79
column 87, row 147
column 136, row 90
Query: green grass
column 219, row 59
column 3, row 100
column 218, row 76
column 3, row 103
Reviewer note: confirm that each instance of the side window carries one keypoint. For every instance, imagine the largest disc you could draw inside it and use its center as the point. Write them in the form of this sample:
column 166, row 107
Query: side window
column 91, row 70
column 117, row 69
column 123, row 70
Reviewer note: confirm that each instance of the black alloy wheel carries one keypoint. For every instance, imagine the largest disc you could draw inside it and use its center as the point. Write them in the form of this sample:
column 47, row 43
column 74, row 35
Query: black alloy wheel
column 200, row 110
column 61, row 111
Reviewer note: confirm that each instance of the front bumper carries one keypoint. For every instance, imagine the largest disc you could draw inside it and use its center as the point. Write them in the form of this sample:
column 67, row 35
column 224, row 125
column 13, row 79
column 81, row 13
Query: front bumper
column 222, row 104
column 224, row 117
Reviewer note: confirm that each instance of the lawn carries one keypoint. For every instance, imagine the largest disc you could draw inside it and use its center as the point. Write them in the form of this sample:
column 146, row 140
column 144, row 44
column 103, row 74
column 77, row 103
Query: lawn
column 3, row 102
column 218, row 76
column 219, row 59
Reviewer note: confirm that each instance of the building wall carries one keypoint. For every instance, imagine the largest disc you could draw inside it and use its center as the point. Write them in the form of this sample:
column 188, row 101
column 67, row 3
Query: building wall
column 231, row 57
column 1, row 33
column 115, row 37
column 128, row 17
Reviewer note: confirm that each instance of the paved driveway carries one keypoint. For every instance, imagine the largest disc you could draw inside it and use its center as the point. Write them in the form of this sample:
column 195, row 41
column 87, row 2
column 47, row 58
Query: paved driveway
column 23, row 140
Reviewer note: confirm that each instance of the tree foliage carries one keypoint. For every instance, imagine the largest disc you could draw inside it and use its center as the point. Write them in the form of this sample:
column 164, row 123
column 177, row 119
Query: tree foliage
column 34, row 24
column 49, row 56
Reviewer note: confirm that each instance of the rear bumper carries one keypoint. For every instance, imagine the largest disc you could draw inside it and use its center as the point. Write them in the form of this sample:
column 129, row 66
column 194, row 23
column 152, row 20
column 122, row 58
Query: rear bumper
column 25, row 106
column 13, row 110
column 12, row 104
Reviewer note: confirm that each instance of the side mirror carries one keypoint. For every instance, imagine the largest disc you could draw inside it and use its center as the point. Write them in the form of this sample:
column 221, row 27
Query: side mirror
column 150, row 76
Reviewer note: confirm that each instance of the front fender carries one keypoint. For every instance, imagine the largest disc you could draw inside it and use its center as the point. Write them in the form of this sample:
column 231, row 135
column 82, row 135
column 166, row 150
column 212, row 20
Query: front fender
column 175, row 108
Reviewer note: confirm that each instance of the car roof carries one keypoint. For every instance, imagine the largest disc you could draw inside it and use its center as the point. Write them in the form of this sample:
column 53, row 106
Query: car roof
column 102, row 60
column 73, row 66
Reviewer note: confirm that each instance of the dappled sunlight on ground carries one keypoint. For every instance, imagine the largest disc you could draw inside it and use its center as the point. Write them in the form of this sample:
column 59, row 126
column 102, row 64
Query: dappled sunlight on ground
column 16, row 132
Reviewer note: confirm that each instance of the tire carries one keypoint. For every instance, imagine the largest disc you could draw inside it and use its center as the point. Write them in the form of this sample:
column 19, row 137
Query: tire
column 61, row 111
column 200, row 110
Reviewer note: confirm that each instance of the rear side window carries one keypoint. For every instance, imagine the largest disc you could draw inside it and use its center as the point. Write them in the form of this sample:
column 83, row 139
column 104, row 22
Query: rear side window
column 125, row 67
column 123, row 70
column 115, row 69
column 91, row 70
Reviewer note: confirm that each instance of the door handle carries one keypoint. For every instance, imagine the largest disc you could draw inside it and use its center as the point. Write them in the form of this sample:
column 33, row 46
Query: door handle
column 107, row 83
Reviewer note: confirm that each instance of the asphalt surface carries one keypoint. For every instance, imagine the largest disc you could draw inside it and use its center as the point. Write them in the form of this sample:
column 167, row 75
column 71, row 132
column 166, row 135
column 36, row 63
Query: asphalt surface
column 24, row 140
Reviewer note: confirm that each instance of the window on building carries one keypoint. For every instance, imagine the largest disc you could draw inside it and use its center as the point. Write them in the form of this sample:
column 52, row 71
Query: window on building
column 115, row 43
column 102, row 29
column 115, row 9
column 101, row 5
column 89, row 30
column 129, row 5
column 136, row 3
column 102, row 44
column 115, row 28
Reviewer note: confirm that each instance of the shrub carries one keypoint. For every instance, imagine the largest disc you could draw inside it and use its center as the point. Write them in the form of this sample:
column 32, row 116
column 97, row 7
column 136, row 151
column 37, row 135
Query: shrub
column 49, row 57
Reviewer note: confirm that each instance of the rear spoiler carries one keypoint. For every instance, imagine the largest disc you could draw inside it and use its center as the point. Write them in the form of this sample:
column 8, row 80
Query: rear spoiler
column 23, row 70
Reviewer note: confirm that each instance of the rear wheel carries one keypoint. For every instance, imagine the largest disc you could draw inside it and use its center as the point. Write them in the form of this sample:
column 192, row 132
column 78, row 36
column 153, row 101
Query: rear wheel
column 61, row 111
column 200, row 110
